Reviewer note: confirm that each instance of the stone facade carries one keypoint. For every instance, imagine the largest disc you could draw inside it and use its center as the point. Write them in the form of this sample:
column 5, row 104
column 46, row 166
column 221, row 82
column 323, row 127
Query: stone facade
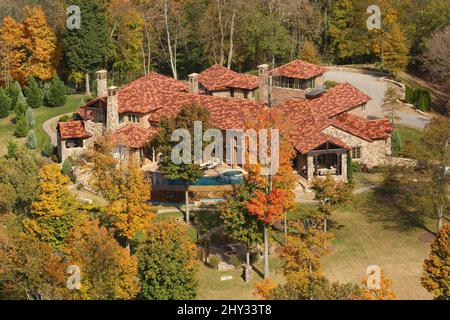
column 264, row 85
column 102, row 83
column 372, row 153
column 112, row 113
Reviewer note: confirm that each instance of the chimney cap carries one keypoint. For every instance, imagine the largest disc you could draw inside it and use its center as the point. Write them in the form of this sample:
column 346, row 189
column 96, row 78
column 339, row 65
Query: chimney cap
column 102, row 71
column 112, row 91
column 193, row 75
column 263, row 66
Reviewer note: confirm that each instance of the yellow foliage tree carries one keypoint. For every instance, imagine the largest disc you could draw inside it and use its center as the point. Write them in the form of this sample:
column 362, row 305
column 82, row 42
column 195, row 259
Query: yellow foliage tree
column 310, row 53
column 54, row 212
column 40, row 42
column 108, row 271
column 12, row 51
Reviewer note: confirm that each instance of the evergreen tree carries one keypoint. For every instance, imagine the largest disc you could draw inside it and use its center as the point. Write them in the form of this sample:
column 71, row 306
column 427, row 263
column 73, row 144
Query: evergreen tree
column 87, row 48
column 47, row 148
column 13, row 90
column 5, row 104
column 21, row 130
column 56, row 94
column 35, row 95
column 30, row 118
column 31, row 140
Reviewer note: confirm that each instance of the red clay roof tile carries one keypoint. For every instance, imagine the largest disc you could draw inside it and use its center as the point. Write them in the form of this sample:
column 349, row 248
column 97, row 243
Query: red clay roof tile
column 72, row 130
column 217, row 78
column 132, row 136
column 298, row 69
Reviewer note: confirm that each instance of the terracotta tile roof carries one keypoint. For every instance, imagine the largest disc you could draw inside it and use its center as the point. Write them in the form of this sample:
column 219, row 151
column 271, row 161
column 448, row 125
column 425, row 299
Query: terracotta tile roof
column 217, row 78
column 298, row 69
column 72, row 130
column 226, row 113
column 132, row 136
column 366, row 129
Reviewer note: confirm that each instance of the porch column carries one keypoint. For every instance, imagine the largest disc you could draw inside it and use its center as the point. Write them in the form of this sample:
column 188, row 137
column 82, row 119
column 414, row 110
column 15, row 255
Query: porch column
column 344, row 166
column 310, row 166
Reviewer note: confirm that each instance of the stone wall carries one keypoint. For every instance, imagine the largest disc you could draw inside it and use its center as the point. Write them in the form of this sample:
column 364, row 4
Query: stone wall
column 64, row 152
column 372, row 153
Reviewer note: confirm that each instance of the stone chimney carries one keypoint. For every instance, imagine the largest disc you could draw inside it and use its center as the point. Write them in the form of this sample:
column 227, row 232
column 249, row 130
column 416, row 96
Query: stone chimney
column 112, row 110
column 193, row 83
column 102, row 83
column 264, row 83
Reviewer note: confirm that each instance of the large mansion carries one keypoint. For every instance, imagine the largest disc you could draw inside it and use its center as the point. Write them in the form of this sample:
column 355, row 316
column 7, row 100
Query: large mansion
column 324, row 129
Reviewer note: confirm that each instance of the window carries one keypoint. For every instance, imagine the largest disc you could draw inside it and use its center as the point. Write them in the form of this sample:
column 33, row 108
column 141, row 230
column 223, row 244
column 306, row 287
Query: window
column 245, row 94
column 121, row 119
column 133, row 118
column 356, row 153
column 74, row 143
column 232, row 93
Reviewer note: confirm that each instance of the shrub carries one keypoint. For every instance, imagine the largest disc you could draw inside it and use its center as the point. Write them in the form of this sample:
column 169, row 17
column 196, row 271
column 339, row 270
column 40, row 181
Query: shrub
column 424, row 102
column 21, row 107
column 5, row 104
column 218, row 238
column 12, row 147
column 30, row 118
column 56, row 93
column 14, row 91
column 349, row 167
column 64, row 118
column 67, row 168
column 356, row 166
column 214, row 260
column 31, row 140
column 35, row 95
column 235, row 261
column 330, row 84
column 47, row 148
column 409, row 95
column 22, row 129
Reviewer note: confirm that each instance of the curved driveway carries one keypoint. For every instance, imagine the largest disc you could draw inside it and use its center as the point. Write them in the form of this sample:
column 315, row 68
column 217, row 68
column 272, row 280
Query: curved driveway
column 375, row 88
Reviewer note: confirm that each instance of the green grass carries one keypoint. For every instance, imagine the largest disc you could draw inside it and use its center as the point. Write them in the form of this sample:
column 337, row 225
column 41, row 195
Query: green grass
column 409, row 136
column 41, row 115
column 377, row 231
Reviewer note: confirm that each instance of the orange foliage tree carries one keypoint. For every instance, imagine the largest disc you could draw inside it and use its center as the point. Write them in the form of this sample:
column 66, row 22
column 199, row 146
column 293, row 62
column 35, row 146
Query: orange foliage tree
column 12, row 51
column 384, row 292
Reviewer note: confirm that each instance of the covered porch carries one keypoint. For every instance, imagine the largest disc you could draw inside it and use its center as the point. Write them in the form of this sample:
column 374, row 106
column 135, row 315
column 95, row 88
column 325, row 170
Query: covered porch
column 327, row 159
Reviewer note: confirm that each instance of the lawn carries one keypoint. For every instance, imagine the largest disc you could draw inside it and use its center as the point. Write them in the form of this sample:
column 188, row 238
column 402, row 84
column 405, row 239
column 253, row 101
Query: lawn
column 41, row 115
column 376, row 231
column 409, row 136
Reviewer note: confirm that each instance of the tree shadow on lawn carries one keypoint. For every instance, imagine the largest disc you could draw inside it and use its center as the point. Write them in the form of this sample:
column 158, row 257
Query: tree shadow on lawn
column 393, row 211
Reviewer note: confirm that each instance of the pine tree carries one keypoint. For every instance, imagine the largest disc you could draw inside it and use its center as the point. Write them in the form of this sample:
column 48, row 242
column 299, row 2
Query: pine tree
column 21, row 106
column 40, row 42
column 31, row 140
column 56, row 93
column 5, row 104
column 21, row 130
column 35, row 95
column 30, row 118
column 48, row 148
column 87, row 48
column 14, row 91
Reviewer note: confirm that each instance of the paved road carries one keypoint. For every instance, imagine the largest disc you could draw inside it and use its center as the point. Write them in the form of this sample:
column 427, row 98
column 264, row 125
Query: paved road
column 375, row 88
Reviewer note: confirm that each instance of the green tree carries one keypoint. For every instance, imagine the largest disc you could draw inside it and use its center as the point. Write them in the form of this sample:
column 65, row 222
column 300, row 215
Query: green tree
column 5, row 104
column 56, row 95
column 436, row 268
column 48, row 148
column 19, row 180
column 30, row 118
column 35, row 95
column 14, row 91
column 166, row 263
column 87, row 49
column 21, row 130
column 31, row 140
column 187, row 172
column 21, row 106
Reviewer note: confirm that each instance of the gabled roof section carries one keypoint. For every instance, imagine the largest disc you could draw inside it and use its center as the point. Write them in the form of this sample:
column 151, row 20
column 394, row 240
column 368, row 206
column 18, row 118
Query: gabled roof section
column 366, row 129
column 298, row 69
column 217, row 78
column 72, row 130
column 132, row 136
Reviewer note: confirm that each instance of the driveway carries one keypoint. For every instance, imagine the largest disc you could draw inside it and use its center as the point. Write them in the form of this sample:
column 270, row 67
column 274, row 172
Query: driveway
column 375, row 88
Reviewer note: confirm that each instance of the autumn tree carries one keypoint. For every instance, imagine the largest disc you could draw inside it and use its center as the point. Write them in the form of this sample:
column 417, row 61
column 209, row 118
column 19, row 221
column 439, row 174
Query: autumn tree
column 108, row 271
column 310, row 53
column 12, row 53
column 40, row 43
column 391, row 103
column 377, row 291
column 167, row 265
column 54, row 212
column 128, row 210
column 436, row 268
column 436, row 59
column 29, row 268
column 395, row 56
